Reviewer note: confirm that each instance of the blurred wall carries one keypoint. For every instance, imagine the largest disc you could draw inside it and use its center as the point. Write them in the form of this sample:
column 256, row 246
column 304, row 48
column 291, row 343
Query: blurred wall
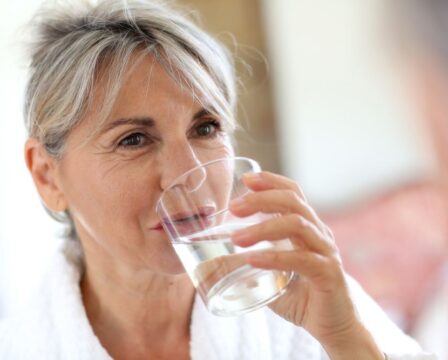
column 346, row 129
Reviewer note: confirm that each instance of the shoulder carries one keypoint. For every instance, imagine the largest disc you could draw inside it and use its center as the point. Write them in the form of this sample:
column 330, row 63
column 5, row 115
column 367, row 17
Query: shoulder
column 23, row 333
column 53, row 324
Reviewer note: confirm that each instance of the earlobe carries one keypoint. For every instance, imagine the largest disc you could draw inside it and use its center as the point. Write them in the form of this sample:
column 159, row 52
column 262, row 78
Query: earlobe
column 42, row 167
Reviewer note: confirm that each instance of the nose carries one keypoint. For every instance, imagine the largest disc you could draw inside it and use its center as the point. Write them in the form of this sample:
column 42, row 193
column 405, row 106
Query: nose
column 177, row 161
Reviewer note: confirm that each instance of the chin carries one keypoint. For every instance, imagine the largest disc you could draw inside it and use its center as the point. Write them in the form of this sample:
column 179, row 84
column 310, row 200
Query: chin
column 169, row 264
column 163, row 258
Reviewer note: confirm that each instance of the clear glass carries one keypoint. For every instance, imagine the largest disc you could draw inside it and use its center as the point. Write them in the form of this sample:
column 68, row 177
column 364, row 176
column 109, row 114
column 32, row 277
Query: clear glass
column 194, row 213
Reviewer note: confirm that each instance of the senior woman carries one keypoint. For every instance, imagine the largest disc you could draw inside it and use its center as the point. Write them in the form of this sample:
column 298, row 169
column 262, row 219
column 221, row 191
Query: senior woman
column 123, row 97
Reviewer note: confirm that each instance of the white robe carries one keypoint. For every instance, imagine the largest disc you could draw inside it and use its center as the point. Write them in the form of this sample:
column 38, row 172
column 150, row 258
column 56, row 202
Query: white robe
column 432, row 326
column 55, row 326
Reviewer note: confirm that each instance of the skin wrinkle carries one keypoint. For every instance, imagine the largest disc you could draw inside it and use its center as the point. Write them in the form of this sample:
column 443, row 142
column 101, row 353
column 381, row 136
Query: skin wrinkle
column 108, row 189
column 111, row 192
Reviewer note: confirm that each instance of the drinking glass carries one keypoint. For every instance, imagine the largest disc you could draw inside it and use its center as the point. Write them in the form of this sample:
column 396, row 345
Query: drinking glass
column 194, row 213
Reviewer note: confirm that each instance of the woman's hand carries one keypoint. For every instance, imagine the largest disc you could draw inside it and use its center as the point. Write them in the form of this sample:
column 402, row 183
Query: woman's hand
column 318, row 298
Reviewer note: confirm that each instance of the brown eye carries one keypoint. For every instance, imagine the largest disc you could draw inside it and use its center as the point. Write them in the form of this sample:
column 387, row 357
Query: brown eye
column 208, row 128
column 133, row 140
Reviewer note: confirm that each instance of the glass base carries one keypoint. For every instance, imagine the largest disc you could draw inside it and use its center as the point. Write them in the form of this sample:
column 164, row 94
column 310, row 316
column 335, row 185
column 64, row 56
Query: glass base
column 246, row 289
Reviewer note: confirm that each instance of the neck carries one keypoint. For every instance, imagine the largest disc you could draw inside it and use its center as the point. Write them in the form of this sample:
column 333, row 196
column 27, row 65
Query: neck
column 134, row 309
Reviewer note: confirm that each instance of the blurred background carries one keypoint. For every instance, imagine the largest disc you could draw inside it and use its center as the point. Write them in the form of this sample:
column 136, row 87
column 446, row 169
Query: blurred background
column 323, row 100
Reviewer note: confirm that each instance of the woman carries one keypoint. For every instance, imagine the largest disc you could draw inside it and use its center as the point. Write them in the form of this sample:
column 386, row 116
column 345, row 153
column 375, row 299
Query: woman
column 121, row 100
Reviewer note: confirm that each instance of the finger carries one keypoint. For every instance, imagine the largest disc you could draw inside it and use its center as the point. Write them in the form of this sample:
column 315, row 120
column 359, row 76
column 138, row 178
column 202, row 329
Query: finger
column 266, row 180
column 299, row 230
column 272, row 201
column 323, row 271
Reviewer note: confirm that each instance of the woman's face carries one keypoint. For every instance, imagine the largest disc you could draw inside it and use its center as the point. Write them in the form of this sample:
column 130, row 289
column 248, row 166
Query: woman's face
column 111, row 183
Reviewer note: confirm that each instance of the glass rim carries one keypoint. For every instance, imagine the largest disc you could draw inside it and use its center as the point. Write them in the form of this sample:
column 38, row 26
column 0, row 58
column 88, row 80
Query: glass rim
column 249, row 160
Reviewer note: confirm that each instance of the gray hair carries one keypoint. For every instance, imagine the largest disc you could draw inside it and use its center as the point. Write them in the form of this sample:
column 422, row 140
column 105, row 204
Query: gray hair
column 74, row 40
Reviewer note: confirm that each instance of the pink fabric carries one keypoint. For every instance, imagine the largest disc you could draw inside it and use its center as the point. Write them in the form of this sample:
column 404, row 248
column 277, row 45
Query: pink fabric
column 394, row 246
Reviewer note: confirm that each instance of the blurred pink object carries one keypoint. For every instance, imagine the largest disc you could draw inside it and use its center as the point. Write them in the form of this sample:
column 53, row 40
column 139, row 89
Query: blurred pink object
column 394, row 246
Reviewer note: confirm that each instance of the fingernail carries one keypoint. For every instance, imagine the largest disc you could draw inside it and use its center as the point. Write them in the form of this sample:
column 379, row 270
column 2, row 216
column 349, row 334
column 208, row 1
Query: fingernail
column 240, row 237
column 237, row 204
column 253, row 176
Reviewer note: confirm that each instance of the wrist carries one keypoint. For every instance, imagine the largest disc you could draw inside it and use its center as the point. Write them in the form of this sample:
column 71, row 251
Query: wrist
column 356, row 344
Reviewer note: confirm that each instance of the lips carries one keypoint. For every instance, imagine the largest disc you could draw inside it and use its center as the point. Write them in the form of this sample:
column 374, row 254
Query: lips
column 185, row 216
column 157, row 227
column 182, row 219
column 184, row 223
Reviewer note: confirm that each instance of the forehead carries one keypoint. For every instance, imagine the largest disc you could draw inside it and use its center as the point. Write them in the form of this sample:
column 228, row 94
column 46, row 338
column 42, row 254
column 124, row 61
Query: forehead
column 144, row 90
column 146, row 86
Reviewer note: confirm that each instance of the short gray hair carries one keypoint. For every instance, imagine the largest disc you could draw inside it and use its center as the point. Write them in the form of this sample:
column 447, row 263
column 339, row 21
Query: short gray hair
column 73, row 40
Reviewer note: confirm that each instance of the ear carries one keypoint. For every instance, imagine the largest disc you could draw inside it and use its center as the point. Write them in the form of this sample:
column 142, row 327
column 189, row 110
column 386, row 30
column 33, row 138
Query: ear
column 43, row 169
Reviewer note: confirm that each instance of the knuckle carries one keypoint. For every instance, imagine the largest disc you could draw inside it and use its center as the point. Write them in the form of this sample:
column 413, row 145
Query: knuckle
column 300, row 192
column 334, row 249
column 293, row 195
column 285, row 223
column 303, row 203
column 334, row 268
column 305, row 258
column 335, row 262
column 292, row 200
column 296, row 220
column 329, row 241
column 297, row 188
column 328, row 232
column 304, row 206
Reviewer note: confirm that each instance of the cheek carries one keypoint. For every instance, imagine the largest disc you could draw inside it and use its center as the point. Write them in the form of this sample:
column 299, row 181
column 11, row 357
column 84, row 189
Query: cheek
column 221, row 149
column 109, row 201
column 221, row 183
column 114, row 209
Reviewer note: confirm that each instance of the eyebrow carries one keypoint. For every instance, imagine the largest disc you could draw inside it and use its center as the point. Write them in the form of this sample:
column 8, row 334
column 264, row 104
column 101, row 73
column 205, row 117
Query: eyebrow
column 147, row 121
column 201, row 113
column 141, row 121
